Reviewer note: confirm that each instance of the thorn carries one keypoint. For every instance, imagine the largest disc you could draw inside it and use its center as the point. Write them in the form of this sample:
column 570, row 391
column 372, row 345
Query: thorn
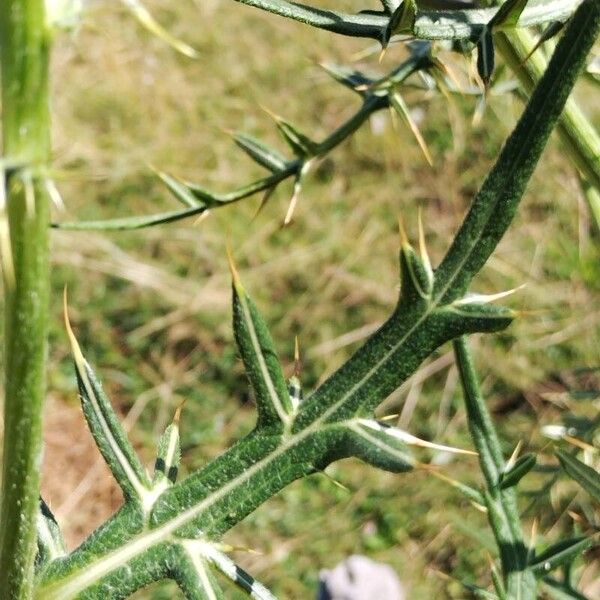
column 579, row 443
column 266, row 197
column 297, row 363
column 201, row 218
column 336, row 482
column 486, row 298
column 422, row 245
column 532, row 539
column 277, row 118
column 233, row 270
column 575, row 516
column 513, row 457
column 403, row 237
column 177, row 415
column 292, row 205
column 77, row 354
column 382, row 53
column 389, row 417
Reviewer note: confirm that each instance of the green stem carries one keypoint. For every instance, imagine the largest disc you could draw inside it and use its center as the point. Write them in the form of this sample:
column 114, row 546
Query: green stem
column 24, row 220
column 579, row 137
column 502, row 504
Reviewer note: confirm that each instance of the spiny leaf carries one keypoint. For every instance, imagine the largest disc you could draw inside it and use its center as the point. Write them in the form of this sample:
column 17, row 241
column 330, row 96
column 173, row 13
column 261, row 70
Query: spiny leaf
column 260, row 358
column 585, row 476
column 523, row 465
column 169, row 452
column 508, row 14
column 559, row 554
column 106, row 429
column 180, row 190
column 261, row 153
column 301, row 145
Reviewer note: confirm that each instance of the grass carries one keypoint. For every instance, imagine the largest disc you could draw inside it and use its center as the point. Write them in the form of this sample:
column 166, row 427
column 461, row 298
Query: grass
column 152, row 308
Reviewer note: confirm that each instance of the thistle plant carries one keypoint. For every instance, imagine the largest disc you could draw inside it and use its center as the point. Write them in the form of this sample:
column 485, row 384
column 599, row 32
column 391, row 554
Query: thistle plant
column 169, row 529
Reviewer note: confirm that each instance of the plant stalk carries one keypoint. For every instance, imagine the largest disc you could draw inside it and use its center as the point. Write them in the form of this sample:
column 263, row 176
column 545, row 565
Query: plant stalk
column 502, row 508
column 24, row 221
column 578, row 135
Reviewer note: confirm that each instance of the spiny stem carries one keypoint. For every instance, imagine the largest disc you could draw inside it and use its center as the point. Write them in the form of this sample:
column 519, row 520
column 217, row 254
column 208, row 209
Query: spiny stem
column 25, row 215
column 502, row 505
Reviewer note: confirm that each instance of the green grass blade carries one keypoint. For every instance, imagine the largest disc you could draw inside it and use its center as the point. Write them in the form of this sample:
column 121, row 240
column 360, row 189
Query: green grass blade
column 585, row 476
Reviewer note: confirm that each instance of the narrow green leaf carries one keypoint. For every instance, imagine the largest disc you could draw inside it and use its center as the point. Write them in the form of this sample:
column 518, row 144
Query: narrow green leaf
column 508, row 14
column 485, row 56
column 561, row 553
column 260, row 358
column 585, row 476
column 498, row 583
column 549, row 32
column 401, row 21
column 511, row 477
column 106, row 429
column 261, row 153
column 179, row 189
column 479, row 592
column 558, row 590
column 301, row 145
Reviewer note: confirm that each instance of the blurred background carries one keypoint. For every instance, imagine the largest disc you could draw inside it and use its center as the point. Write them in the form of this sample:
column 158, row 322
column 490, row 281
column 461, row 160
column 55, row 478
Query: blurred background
column 152, row 308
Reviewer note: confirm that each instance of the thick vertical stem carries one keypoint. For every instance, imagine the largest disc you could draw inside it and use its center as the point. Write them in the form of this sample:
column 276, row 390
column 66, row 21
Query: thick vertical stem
column 580, row 138
column 501, row 504
column 24, row 220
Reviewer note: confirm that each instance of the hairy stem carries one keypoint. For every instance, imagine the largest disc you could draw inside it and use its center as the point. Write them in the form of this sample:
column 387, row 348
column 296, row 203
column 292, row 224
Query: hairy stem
column 502, row 504
column 24, row 215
